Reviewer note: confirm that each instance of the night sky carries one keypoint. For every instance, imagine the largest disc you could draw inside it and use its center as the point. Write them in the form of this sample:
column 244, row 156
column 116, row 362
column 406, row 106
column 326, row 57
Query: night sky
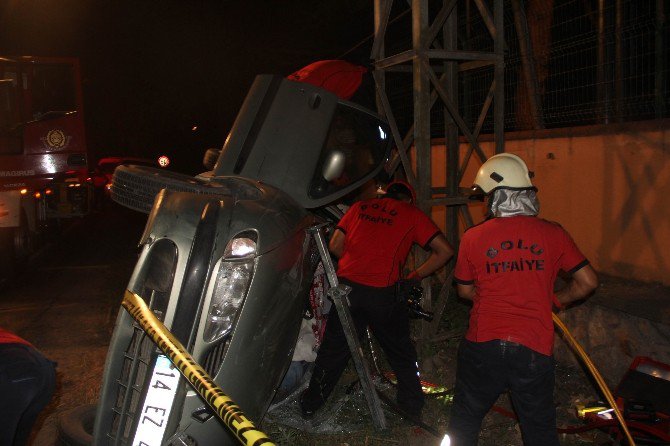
column 154, row 69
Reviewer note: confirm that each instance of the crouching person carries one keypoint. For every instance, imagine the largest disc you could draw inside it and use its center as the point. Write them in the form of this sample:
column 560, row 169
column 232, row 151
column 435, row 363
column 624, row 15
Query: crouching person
column 27, row 383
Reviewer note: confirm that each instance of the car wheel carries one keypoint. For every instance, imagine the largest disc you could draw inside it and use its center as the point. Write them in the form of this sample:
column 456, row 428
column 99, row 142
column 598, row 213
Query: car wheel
column 135, row 187
column 75, row 426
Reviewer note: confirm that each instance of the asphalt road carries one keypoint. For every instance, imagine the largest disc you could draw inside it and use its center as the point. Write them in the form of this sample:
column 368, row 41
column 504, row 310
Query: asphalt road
column 66, row 300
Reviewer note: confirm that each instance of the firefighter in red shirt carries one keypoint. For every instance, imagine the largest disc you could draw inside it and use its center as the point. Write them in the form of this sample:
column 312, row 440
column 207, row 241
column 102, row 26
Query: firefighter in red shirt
column 507, row 266
column 372, row 242
column 27, row 382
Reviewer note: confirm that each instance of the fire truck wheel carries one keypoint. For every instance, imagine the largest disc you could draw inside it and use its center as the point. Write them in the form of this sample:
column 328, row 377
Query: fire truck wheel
column 135, row 187
column 23, row 240
column 7, row 249
column 75, row 426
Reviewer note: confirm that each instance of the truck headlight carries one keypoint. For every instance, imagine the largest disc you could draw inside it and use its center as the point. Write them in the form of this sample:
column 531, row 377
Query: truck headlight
column 232, row 283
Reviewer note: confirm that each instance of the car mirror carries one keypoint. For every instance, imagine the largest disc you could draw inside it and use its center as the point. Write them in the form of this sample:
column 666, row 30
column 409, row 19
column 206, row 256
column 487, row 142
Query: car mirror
column 333, row 166
column 210, row 158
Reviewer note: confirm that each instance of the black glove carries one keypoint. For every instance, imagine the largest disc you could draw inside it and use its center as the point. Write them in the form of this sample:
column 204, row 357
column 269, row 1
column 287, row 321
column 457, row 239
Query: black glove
column 411, row 292
column 407, row 290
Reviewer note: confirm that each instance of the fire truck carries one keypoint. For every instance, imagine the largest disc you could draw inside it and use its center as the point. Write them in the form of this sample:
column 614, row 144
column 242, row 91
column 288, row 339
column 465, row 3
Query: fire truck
column 43, row 153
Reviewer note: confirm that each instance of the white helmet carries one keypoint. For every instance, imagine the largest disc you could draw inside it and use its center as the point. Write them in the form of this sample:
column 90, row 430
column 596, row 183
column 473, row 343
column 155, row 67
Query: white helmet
column 504, row 170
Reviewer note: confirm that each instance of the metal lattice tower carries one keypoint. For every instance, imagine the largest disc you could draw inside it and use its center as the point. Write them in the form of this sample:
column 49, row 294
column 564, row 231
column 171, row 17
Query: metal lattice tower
column 435, row 63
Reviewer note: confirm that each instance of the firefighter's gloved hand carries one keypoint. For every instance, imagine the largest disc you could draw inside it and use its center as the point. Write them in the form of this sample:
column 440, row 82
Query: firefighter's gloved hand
column 410, row 291
column 407, row 290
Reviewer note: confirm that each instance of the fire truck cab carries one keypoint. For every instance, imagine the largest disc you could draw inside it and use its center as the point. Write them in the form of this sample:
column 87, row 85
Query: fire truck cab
column 43, row 153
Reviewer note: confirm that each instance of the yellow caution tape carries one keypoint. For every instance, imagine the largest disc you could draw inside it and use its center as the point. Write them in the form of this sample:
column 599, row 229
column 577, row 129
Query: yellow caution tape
column 226, row 409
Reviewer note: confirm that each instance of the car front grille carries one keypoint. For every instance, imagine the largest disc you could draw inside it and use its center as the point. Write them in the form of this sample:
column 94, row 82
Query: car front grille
column 134, row 374
column 215, row 356
column 138, row 360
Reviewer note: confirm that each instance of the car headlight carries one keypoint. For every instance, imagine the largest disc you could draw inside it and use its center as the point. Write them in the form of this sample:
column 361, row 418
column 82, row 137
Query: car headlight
column 232, row 283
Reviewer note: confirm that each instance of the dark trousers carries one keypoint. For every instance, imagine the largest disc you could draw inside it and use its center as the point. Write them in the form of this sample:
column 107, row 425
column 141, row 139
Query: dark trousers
column 487, row 369
column 27, row 382
column 388, row 320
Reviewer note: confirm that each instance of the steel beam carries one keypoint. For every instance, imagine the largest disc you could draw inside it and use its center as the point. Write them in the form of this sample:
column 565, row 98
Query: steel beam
column 339, row 293
column 528, row 63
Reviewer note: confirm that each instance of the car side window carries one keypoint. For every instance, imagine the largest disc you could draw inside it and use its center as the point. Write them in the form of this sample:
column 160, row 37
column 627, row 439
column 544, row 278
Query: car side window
column 355, row 146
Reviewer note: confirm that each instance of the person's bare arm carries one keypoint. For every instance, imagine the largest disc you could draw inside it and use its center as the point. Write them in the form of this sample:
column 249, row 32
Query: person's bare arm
column 466, row 291
column 336, row 245
column 440, row 252
column 583, row 282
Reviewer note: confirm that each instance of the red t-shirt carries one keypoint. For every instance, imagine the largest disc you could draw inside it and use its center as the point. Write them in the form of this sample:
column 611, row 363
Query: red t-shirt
column 7, row 337
column 378, row 236
column 513, row 263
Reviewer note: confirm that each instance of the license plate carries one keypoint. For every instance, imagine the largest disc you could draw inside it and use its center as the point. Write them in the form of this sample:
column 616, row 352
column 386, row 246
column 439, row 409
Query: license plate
column 157, row 404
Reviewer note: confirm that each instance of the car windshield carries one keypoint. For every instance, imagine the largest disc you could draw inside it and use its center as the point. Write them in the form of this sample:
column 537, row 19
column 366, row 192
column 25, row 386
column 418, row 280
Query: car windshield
column 356, row 144
column 53, row 89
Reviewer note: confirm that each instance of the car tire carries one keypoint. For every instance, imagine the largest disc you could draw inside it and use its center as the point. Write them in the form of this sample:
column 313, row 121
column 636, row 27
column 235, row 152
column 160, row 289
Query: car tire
column 135, row 187
column 75, row 426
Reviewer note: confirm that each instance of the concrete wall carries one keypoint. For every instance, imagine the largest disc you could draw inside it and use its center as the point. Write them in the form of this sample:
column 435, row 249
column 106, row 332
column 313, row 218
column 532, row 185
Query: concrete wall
column 609, row 186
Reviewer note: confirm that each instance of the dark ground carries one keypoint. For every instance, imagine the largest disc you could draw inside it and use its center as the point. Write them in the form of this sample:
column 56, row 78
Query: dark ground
column 67, row 299
column 438, row 362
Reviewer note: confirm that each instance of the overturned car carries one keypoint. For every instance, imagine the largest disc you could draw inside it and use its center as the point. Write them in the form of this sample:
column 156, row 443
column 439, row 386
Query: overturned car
column 227, row 260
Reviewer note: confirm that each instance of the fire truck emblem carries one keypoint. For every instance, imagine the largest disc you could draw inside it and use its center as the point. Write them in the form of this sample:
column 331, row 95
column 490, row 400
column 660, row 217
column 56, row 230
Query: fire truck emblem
column 56, row 139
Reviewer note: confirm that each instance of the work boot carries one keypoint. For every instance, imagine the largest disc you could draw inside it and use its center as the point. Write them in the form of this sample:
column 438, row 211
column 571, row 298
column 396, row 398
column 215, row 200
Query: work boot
column 317, row 392
column 414, row 417
column 309, row 404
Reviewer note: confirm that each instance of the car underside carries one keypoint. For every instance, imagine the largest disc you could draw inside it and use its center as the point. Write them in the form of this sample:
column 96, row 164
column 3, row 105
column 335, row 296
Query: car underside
column 228, row 262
